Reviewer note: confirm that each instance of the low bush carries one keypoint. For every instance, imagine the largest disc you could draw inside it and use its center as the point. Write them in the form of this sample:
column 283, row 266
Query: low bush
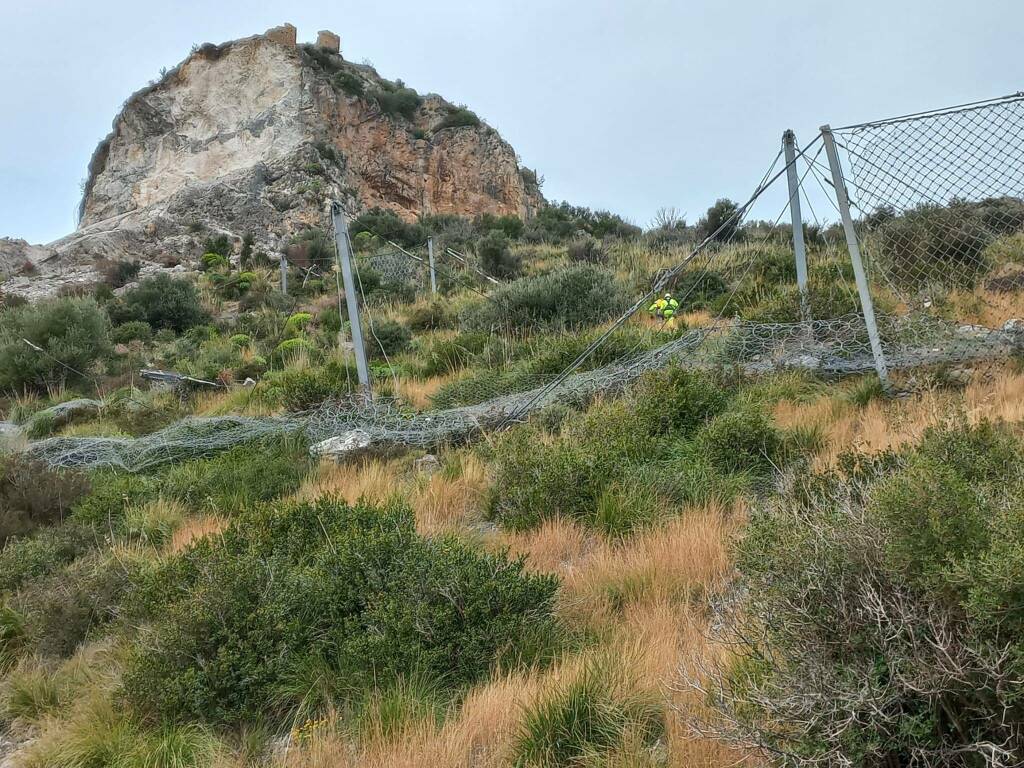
column 31, row 557
column 698, row 289
column 214, row 262
column 73, row 334
column 355, row 590
column 118, row 274
column 586, row 250
column 429, row 317
column 163, row 302
column 678, row 402
column 1008, row 249
column 740, row 441
column 885, row 602
column 395, row 100
column 74, row 602
column 569, row 298
column 386, row 338
column 385, row 223
column 135, row 330
column 32, row 495
column 943, row 245
column 297, row 348
column 112, row 493
column 537, row 479
column 350, row 83
column 304, row 388
column 458, row 117
column 496, row 256
column 239, row 478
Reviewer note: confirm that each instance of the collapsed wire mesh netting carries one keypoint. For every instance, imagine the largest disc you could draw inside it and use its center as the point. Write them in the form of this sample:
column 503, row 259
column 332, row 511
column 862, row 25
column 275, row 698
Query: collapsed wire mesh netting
column 830, row 346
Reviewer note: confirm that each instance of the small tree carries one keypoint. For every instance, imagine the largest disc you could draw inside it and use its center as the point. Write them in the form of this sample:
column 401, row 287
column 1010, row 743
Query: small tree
column 721, row 221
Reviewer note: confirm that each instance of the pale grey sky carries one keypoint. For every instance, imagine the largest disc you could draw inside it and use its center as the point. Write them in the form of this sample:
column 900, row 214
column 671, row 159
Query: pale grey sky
column 620, row 105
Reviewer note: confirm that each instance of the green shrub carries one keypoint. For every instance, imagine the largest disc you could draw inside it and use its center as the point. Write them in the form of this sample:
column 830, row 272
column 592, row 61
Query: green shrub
column 32, row 495
column 678, row 401
column 355, row 587
column 289, row 349
column 73, row 334
column 482, row 385
column 12, row 638
column 1008, row 249
column 568, row 298
column 74, row 602
column 305, row 388
column 213, row 262
column 740, row 441
column 297, row 323
column 888, row 588
column 429, row 317
column 397, row 102
column 163, row 302
column 386, row 338
column 30, row 557
column 219, row 245
column 496, row 257
column 459, row 117
column 448, row 355
column 239, row 478
column 385, row 223
column 135, row 330
column 111, row 495
column 698, row 289
column 350, row 83
column 536, row 480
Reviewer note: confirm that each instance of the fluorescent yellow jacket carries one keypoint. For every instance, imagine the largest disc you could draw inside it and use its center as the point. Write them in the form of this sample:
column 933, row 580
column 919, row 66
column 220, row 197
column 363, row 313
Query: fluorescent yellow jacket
column 663, row 307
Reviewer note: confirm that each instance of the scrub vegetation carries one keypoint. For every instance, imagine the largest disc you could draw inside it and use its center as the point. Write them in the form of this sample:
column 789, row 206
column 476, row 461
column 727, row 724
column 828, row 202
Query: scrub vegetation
column 708, row 568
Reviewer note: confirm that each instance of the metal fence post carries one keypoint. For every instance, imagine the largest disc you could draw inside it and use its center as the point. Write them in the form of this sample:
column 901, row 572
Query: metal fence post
column 843, row 200
column 799, row 249
column 430, row 256
column 351, row 298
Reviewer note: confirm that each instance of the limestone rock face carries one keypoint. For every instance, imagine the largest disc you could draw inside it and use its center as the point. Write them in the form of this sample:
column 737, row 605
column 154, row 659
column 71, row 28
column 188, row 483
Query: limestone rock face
column 255, row 137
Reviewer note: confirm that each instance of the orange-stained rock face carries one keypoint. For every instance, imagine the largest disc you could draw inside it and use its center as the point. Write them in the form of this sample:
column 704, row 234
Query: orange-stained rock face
column 257, row 135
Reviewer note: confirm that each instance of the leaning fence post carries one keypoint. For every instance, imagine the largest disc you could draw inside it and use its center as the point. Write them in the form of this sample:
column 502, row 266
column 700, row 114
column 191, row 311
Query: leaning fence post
column 430, row 256
column 843, row 200
column 351, row 299
column 789, row 144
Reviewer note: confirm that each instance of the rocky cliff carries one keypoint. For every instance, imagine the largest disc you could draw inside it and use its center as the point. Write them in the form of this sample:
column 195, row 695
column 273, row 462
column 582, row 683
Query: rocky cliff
column 256, row 135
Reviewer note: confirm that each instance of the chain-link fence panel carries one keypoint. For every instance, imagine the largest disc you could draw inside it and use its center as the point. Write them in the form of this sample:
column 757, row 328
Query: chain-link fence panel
column 939, row 201
column 392, row 267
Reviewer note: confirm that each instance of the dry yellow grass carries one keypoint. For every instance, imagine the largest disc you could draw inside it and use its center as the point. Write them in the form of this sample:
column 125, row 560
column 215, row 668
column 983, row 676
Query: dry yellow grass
column 987, row 308
column 443, row 501
column 193, row 529
column 686, row 558
column 417, row 392
column 994, row 395
column 374, row 481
